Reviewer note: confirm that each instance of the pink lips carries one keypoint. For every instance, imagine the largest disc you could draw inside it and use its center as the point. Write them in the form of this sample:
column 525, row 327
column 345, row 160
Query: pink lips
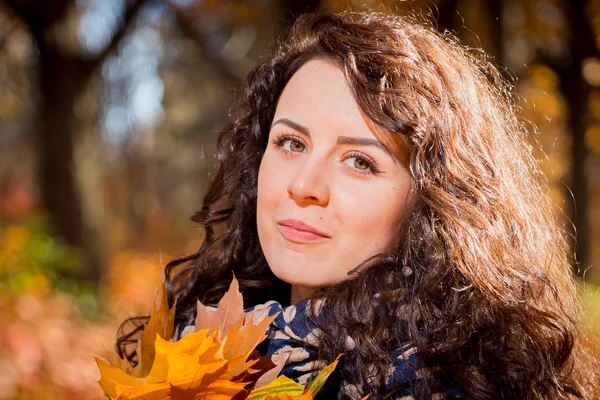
column 300, row 232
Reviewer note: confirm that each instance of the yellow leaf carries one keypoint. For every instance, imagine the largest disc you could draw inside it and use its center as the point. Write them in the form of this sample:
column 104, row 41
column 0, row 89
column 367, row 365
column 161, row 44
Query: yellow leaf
column 149, row 391
column 218, row 360
column 176, row 372
column 282, row 386
column 278, row 392
column 111, row 376
column 316, row 384
column 305, row 396
column 161, row 323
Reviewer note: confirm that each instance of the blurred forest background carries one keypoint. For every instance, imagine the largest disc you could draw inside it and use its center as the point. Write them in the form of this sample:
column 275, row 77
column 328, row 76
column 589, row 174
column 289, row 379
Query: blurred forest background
column 108, row 110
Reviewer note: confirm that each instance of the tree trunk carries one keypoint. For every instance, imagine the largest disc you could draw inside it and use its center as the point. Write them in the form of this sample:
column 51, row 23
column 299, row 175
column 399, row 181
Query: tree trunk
column 62, row 78
column 61, row 81
column 576, row 91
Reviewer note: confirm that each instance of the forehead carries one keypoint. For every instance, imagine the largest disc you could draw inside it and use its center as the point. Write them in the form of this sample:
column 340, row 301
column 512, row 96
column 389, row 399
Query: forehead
column 318, row 93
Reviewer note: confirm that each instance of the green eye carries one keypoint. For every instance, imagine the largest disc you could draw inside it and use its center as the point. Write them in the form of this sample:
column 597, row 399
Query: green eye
column 357, row 163
column 289, row 144
column 360, row 164
column 296, row 146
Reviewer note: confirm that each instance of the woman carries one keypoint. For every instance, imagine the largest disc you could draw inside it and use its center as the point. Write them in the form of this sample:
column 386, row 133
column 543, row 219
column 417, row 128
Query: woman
column 378, row 170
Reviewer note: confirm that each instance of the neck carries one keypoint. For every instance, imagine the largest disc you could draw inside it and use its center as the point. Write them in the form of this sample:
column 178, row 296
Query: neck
column 300, row 293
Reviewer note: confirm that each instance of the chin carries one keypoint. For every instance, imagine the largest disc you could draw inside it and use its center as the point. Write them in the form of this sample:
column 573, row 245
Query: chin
column 299, row 277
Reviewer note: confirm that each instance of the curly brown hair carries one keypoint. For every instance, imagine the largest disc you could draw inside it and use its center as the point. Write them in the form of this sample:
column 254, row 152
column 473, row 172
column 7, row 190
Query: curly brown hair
column 491, row 301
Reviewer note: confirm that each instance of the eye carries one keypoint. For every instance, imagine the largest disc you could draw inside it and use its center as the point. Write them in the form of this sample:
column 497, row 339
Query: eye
column 357, row 163
column 289, row 143
column 293, row 145
column 361, row 164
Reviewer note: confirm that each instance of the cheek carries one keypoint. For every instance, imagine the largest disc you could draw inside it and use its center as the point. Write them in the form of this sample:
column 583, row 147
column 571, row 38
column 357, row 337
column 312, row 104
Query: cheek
column 271, row 191
column 370, row 217
column 270, row 180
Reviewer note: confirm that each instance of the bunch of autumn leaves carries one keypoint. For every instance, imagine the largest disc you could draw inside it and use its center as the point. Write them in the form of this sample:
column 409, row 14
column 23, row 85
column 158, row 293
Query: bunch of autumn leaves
column 216, row 361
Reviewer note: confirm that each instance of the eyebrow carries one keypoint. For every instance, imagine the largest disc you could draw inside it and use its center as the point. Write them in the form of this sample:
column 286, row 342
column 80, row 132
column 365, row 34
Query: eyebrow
column 292, row 125
column 365, row 142
column 340, row 139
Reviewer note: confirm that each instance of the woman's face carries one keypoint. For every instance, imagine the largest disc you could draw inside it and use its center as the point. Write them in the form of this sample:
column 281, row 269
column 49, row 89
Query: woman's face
column 330, row 194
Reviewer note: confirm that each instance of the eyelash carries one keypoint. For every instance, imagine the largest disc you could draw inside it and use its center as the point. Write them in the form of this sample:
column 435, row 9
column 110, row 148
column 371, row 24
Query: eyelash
column 280, row 139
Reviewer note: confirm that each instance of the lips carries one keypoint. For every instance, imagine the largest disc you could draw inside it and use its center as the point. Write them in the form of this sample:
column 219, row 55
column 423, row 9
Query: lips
column 300, row 232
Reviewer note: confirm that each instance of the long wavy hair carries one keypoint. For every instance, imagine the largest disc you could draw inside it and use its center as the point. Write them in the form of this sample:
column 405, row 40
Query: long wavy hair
column 490, row 301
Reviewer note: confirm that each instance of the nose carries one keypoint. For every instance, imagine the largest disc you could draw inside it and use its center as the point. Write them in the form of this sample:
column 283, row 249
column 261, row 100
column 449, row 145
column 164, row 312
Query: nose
column 308, row 186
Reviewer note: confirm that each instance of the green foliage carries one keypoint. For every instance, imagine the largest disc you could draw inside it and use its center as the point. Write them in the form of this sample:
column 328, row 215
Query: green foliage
column 33, row 261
